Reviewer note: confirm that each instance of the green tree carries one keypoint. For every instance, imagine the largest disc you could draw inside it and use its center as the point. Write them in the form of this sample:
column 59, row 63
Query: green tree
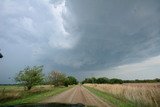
column 87, row 80
column 94, row 80
column 116, row 81
column 102, row 80
column 66, row 82
column 30, row 77
column 72, row 80
column 57, row 78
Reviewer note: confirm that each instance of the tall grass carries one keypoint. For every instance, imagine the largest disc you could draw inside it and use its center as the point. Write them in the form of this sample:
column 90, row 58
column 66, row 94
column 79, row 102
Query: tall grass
column 34, row 95
column 8, row 96
column 8, row 93
column 146, row 94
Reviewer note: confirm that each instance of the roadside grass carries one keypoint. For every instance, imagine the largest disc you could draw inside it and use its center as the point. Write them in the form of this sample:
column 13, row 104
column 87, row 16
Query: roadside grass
column 111, row 99
column 33, row 96
column 12, row 92
column 140, row 94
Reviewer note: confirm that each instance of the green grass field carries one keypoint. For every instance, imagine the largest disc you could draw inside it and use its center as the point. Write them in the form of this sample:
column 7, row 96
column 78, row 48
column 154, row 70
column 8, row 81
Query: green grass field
column 13, row 95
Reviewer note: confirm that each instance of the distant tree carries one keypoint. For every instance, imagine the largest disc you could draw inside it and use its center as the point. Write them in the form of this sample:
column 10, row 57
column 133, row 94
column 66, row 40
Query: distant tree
column 102, row 80
column 72, row 80
column 116, row 81
column 137, row 81
column 94, row 80
column 157, row 80
column 88, row 80
column 66, row 82
column 57, row 78
column 30, row 77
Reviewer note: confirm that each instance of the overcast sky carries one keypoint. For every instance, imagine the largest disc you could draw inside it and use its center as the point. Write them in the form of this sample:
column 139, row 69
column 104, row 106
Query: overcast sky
column 83, row 38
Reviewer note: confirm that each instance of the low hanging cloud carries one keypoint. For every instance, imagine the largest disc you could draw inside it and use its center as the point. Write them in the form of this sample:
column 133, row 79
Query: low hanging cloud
column 147, row 69
column 78, row 37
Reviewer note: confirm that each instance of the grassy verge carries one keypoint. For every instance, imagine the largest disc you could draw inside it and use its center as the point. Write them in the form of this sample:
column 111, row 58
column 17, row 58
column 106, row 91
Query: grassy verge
column 33, row 98
column 111, row 99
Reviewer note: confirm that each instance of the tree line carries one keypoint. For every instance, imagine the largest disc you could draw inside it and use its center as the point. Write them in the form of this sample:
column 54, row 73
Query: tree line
column 31, row 76
column 142, row 81
column 103, row 80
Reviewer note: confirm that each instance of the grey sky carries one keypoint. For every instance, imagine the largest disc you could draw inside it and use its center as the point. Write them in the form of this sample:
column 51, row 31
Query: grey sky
column 112, row 38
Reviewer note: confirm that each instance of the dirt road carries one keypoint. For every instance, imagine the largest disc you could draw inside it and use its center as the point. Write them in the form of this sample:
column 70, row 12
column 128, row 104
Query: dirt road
column 77, row 94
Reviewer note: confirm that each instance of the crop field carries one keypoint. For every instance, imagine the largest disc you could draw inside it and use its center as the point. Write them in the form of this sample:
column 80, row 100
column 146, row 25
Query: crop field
column 140, row 94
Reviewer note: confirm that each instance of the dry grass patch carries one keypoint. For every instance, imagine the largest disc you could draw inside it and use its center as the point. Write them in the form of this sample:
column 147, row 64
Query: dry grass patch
column 14, row 92
column 140, row 93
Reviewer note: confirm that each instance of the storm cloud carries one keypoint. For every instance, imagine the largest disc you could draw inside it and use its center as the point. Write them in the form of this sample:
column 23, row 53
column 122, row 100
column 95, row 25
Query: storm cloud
column 80, row 37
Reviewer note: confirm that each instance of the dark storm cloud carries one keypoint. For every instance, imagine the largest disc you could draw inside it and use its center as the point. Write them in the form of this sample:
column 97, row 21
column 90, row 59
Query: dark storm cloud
column 115, row 32
column 79, row 37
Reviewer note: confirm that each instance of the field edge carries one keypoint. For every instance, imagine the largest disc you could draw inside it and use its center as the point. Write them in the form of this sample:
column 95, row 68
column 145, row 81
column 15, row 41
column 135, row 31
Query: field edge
column 36, row 97
column 108, row 98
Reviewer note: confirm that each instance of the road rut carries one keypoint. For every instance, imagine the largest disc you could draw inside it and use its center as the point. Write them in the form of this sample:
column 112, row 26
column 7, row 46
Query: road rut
column 77, row 94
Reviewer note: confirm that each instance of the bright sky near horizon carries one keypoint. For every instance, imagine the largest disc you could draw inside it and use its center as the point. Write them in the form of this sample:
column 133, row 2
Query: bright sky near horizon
column 83, row 38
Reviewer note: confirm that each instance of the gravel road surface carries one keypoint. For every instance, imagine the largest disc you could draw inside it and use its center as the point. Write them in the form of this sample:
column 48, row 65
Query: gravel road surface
column 77, row 94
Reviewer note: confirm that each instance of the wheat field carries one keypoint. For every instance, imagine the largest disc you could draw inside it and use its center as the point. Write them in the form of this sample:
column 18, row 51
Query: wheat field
column 140, row 93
